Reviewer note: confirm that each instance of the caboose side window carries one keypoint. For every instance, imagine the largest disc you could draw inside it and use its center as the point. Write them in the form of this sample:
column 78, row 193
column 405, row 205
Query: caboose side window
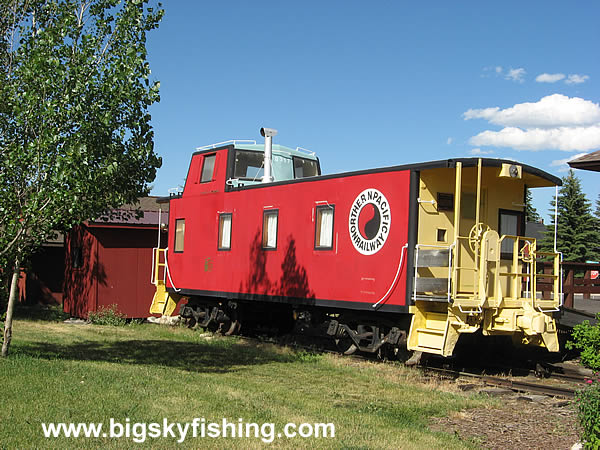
column 269, row 233
column 225, row 231
column 305, row 168
column 248, row 165
column 208, row 168
column 324, row 227
column 179, row 235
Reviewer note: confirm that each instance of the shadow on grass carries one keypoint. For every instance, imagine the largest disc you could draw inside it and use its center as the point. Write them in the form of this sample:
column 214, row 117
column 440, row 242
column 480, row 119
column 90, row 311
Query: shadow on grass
column 204, row 357
column 51, row 313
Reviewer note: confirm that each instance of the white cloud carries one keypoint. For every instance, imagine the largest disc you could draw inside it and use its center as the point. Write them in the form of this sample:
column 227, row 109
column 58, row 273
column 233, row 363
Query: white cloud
column 489, row 71
column 576, row 79
column 550, row 112
column 562, row 163
column 486, row 113
column 449, row 140
column 516, row 75
column 555, row 122
column 478, row 151
column 563, row 138
column 549, row 77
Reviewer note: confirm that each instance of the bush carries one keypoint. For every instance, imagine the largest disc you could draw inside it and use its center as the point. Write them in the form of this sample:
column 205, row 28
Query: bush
column 588, row 403
column 107, row 315
column 586, row 339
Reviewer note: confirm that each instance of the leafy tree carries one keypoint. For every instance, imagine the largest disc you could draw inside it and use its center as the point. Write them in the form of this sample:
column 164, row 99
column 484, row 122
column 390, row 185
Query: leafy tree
column 75, row 133
column 577, row 232
column 531, row 214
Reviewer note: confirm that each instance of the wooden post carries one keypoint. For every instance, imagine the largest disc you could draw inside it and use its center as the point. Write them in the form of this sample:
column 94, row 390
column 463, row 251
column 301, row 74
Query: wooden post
column 587, row 276
column 569, row 288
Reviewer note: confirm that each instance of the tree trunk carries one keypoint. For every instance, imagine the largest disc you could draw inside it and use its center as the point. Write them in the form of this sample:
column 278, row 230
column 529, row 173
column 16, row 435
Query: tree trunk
column 12, row 299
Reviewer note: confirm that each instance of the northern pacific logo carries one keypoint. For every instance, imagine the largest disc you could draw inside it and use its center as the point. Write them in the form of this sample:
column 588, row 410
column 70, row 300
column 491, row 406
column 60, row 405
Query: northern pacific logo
column 369, row 221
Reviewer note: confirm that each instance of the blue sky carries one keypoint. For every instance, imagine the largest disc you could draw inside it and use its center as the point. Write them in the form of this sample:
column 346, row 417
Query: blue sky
column 381, row 83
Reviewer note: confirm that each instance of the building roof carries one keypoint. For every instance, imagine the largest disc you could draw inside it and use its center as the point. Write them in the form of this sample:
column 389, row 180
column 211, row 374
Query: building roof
column 127, row 215
column 591, row 161
column 535, row 230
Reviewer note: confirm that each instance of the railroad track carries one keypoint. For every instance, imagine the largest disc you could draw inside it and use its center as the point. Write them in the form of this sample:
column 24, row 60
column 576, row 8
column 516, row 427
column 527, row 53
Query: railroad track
column 508, row 381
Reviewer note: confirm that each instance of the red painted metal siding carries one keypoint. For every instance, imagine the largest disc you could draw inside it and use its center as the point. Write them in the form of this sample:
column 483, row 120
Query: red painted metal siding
column 295, row 268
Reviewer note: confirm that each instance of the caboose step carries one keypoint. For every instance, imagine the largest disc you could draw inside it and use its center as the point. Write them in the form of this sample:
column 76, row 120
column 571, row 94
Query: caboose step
column 434, row 285
column 433, row 258
column 432, row 298
column 163, row 302
column 430, row 331
column 431, row 341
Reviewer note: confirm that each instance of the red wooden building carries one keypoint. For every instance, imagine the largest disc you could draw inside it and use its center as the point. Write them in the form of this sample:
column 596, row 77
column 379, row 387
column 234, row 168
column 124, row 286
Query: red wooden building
column 108, row 261
column 41, row 282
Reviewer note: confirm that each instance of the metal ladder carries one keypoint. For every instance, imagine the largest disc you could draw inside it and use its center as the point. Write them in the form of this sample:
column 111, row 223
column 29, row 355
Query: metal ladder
column 429, row 330
column 163, row 302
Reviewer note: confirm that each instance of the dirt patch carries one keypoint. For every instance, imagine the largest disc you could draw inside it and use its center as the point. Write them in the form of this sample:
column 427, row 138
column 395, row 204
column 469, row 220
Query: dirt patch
column 516, row 423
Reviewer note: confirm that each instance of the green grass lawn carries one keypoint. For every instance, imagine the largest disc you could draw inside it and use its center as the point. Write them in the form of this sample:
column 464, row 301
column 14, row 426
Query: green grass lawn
column 85, row 373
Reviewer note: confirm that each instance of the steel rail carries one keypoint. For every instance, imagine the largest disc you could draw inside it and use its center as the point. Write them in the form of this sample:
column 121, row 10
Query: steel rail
column 509, row 383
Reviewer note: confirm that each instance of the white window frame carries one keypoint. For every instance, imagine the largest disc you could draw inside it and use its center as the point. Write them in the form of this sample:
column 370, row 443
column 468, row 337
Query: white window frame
column 324, row 228
column 270, row 228
column 212, row 157
column 224, row 235
column 179, row 238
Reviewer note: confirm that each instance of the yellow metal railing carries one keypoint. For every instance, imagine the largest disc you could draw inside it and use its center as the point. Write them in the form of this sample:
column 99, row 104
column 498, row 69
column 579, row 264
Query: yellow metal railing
column 523, row 268
column 500, row 280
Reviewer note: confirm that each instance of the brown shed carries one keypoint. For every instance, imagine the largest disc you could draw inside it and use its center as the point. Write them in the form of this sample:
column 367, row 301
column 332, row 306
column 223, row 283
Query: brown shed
column 109, row 261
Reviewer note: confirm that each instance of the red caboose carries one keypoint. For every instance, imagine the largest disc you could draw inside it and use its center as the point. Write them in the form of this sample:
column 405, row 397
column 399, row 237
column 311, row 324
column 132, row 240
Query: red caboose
column 358, row 256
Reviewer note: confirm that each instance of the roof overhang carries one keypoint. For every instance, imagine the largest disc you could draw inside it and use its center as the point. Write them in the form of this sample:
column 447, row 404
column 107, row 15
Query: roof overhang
column 591, row 161
column 532, row 176
column 122, row 226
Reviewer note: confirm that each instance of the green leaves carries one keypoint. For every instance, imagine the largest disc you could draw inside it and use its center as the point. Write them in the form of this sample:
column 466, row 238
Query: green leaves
column 586, row 339
column 531, row 214
column 75, row 132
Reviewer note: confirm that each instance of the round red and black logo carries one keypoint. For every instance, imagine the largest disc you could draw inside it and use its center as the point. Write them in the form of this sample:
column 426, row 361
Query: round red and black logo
column 369, row 221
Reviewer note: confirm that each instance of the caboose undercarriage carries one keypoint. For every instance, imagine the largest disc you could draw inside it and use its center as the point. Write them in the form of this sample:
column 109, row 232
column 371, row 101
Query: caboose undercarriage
column 369, row 332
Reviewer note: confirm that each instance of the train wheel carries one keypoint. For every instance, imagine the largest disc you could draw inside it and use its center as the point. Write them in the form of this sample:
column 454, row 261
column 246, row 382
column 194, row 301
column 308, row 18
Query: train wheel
column 231, row 327
column 213, row 327
column 388, row 353
column 191, row 323
column 345, row 346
